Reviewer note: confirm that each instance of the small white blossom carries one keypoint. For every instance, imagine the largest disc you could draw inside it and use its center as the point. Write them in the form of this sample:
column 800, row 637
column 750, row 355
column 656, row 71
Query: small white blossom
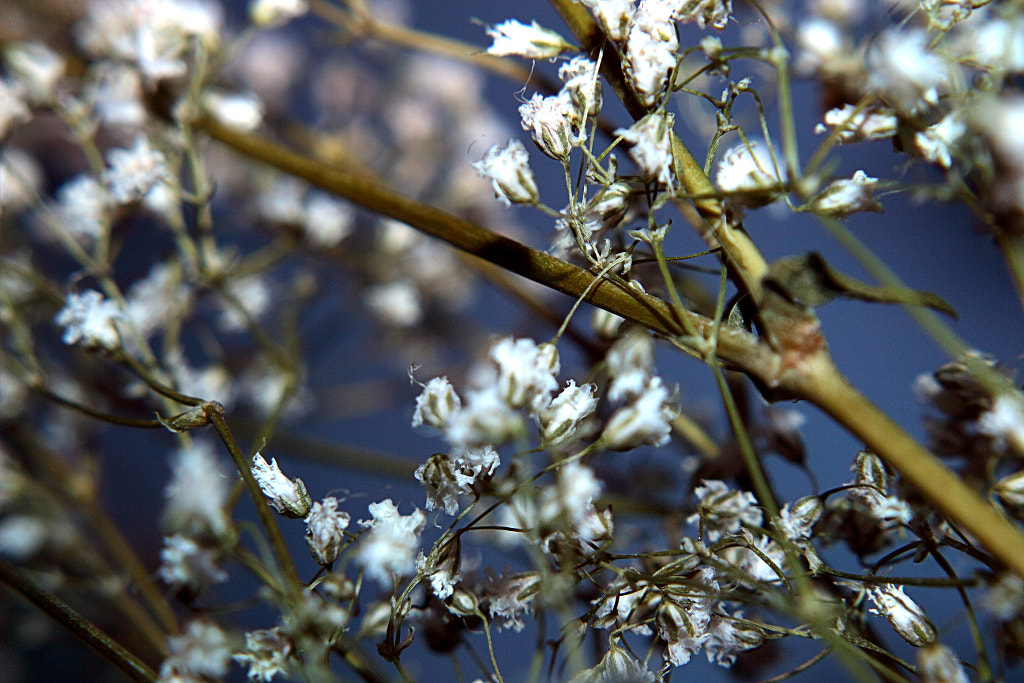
column 508, row 169
column 13, row 109
column 21, row 178
column 325, row 530
column 131, row 173
column 266, row 653
column 724, row 511
column 202, row 651
column 748, row 171
column 82, row 207
column 651, row 149
column 526, row 371
column 184, row 563
column 197, row 494
column 436, row 404
column 1004, row 422
column 284, row 495
column 389, row 549
column 534, row 41
column 1004, row 599
column 727, row 637
column 397, row 303
column 936, row 142
column 905, row 616
column 854, row 126
column 90, row 319
column 797, row 520
column 714, row 13
column 252, row 293
column 650, row 53
column 241, row 111
column 485, row 418
column 612, row 15
column 443, row 575
column 630, row 363
column 326, row 220
column 37, row 67
column 445, row 479
column 821, row 43
column 276, row 12
column 645, row 421
column 509, row 597
column 554, row 122
column 559, row 421
column 904, row 71
column 938, row 664
column 582, row 78
column 843, row 197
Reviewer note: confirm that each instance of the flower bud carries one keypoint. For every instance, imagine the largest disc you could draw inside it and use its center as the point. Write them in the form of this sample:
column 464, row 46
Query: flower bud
column 797, row 520
column 558, row 422
column 871, row 472
column 1010, row 490
column 284, row 495
column 463, row 603
column 436, row 404
column 903, row 614
column 325, row 530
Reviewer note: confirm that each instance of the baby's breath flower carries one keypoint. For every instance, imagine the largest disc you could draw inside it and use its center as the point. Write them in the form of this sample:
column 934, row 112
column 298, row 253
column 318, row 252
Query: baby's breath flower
column 936, row 142
column 37, row 67
column 797, row 520
column 82, row 207
column 508, row 169
column 650, row 52
column 13, row 109
column 905, row 616
column 582, row 78
column 186, row 564
column 436, row 404
column 612, row 15
column 938, row 664
column 485, row 418
column 651, row 149
column 714, row 13
column 854, row 126
column 728, row 636
column 266, row 653
column 197, row 494
column 91, row 320
column 748, row 171
column 241, row 111
column 526, row 371
column 389, row 549
column 630, row 362
column 645, row 421
column 284, row 495
column 723, row 510
column 445, row 479
column 133, row 172
column 559, row 421
column 554, row 123
column 510, row 596
column 202, row 651
column 904, row 71
column 843, row 197
column 534, row 41
column 325, row 530
column 397, row 303
column 276, row 12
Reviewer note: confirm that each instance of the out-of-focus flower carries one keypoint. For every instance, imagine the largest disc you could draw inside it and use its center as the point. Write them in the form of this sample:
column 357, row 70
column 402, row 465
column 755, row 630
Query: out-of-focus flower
column 855, row 126
column 554, row 122
column 241, row 111
column 904, row 70
column 843, row 197
column 90, row 319
column 436, row 404
column 388, row 550
column 938, row 664
column 13, row 109
column 534, row 41
column 645, row 421
column 37, row 67
column 748, row 173
column 723, row 510
column 202, row 651
column 651, row 149
column 197, row 494
column 132, row 172
column 266, row 654
column 526, row 371
column 612, row 15
column 186, row 564
column 276, row 12
column 936, row 142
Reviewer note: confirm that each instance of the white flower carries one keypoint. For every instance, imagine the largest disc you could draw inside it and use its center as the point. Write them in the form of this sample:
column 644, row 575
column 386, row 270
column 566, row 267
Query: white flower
column 197, row 494
column 843, row 197
column 797, row 520
column 905, row 616
column 82, row 207
column 326, row 220
column 184, row 563
column 713, row 13
column 436, row 404
column 645, row 421
column 748, row 171
column 21, row 178
column 252, row 293
column 630, row 362
column 397, row 303
column 266, row 653
column 534, row 41
column 156, row 298
column 723, row 511
column 650, row 51
column 202, row 651
column 325, row 527
column 1004, row 422
column 821, row 43
column 37, row 67
column 389, row 549
column 90, row 319
column 445, row 478
column 508, row 169
column 485, row 418
column 443, row 575
column 582, row 78
column 13, row 109
column 133, row 172
column 651, row 149
column 938, row 664
column 241, row 111
column 554, row 122
column 559, row 421
column 276, row 12
column 612, row 15
column 903, row 69
column 509, row 597
column 284, row 495
column 526, row 372
column 936, row 142
column 871, row 124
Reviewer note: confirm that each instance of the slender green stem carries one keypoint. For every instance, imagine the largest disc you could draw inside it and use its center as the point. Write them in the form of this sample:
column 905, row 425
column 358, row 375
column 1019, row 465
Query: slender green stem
column 64, row 614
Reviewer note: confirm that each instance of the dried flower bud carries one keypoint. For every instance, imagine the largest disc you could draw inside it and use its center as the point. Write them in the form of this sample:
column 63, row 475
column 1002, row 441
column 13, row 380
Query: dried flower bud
column 843, row 197
column 558, row 422
column 284, row 495
column 1010, row 490
column 436, row 404
column 190, row 419
column 534, row 41
column 508, row 169
column 797, row 520
column 325, row 530
column 905, row 616
column 871, row 471
column 463, row 603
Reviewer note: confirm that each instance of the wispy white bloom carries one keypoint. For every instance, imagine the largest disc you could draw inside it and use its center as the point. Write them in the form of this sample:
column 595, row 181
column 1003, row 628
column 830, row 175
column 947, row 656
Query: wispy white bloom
column 797, row 520
column 436, row 404
column 820, row 42
column 727, row 637
column 645, row 421
column 630, row 362
column 397, row 303
column 872, row 124
column 651, row 149
column 937, row 663
column 37, row 67
column 445, row 479
column 526, row 371
column 117, row 96
column 202, row 651
column 554, row 122
column 327, row 220
column 186, row 564
column 534, row 41
column 508, row 169
column 252, row 293
column 995, row 42
column 276, row 12
column 1005, row 420
column 388, row 550
column 90, row 319
column 485, row 418
column 713, row 13
column 266, row 654
column 325, row 527
column 582, row 78
column 510, row 596
column 651, row 47
column 843, row 197
column 21, row 178
column 132, row 172
column 82, row 207
column 1004, row 598
column 241, row 111
column 612, row 15
column 936, row 142
column 723, row 510
column 197, row 494
column 443, row 575
column 156, row 298
column 748, row 171
column 284, row 495
column 560, row 420
column 903, row 614
column 904, row 70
